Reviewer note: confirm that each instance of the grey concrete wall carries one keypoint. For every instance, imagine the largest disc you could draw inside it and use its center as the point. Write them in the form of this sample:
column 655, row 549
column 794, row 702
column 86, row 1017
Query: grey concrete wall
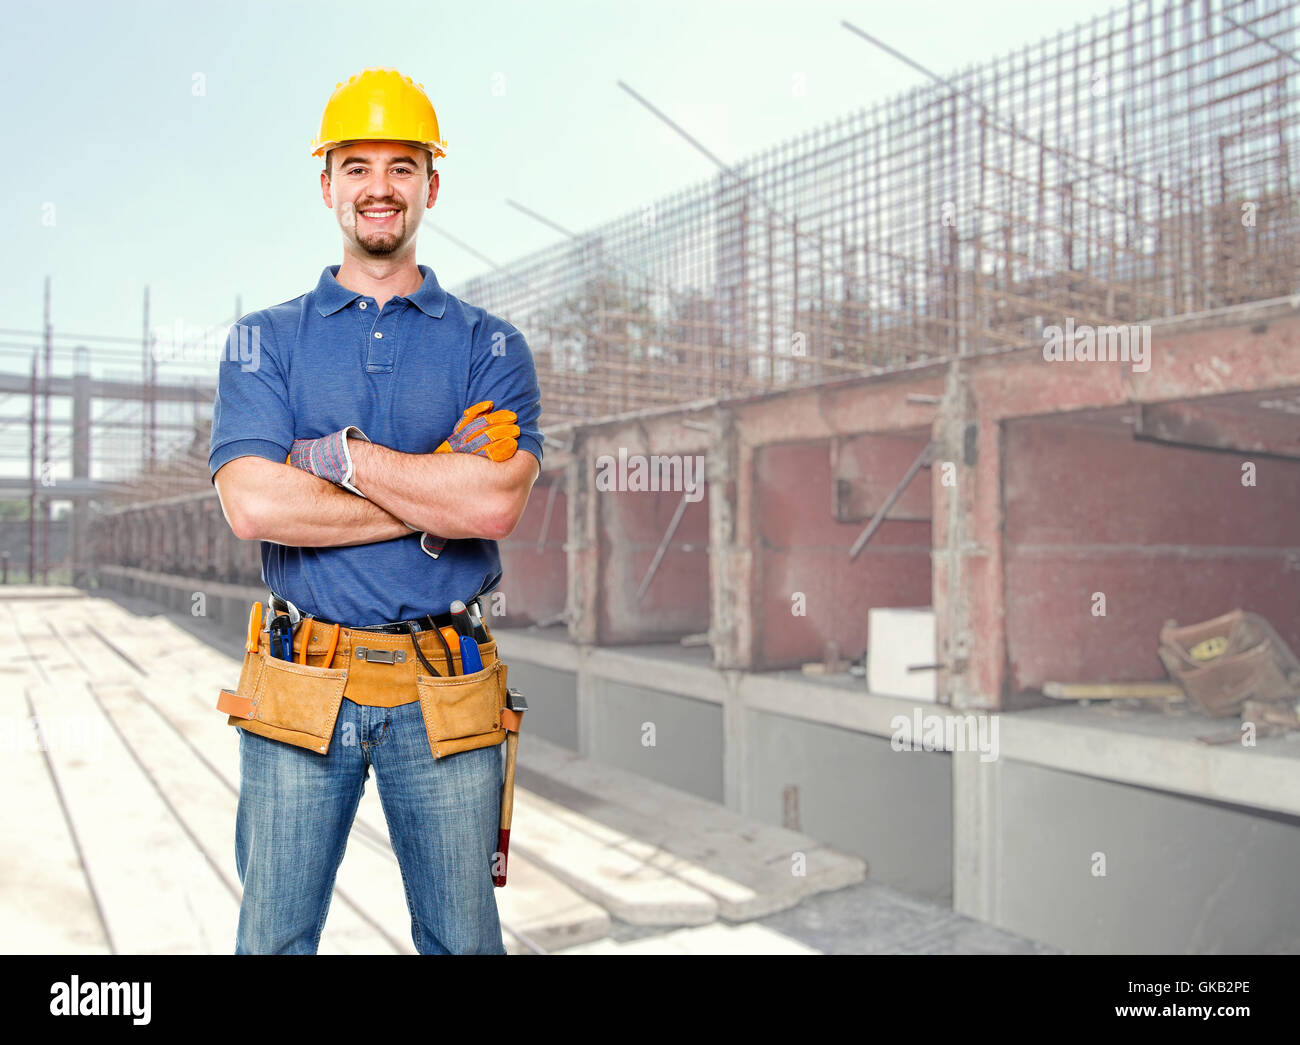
column 1183, row 875
column 687, row 751
column 552, row 697
column 892, row 808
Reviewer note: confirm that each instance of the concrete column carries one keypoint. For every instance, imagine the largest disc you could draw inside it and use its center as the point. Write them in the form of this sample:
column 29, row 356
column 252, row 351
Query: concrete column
column 583, row 545
column 724, row 585
column 731, row 544
column 976, row 836
column 588, row 696
column 79, row 522
column 967, row 530
column 735, row 740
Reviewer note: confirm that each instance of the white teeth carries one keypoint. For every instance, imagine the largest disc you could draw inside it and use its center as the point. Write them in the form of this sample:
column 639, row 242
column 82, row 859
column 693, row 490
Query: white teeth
column 379, row 213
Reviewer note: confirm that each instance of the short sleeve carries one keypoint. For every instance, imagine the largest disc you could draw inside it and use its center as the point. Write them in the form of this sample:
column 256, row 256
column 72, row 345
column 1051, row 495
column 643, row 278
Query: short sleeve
column 251, row 415
column 502, row 370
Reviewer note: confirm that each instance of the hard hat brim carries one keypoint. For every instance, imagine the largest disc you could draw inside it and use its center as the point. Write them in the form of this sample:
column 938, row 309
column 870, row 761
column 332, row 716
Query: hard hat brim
column 439, row 149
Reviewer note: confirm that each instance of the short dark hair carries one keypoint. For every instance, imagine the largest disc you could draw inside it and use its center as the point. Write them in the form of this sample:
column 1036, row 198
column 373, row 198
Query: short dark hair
column 329, row 163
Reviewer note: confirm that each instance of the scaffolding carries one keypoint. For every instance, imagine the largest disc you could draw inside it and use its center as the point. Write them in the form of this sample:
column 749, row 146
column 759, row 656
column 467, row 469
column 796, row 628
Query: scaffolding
column 1137, row 166
column 1132, row 168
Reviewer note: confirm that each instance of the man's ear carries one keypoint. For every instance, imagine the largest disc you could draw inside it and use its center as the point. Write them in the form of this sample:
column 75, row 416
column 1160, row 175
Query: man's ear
column 325, row 190
column 433, row 190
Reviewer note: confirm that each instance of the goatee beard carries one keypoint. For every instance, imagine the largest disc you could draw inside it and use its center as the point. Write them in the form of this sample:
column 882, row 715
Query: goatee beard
column 381, row 245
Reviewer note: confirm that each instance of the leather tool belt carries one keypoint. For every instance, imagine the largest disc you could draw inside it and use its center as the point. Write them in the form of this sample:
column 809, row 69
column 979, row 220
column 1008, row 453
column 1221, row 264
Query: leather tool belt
column 297, row 701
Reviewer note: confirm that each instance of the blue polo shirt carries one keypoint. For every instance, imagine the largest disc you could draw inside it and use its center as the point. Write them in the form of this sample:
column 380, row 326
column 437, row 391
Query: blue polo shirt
column 404, row 376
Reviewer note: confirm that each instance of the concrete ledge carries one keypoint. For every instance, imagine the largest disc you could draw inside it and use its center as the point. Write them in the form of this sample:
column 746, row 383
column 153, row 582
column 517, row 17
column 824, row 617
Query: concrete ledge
column 744, row 867
column 1157, row 751
column 633, row 881
column 538, row 909
column 708, row 939
column 213, row 589
column 538, row 648
column 39, row 591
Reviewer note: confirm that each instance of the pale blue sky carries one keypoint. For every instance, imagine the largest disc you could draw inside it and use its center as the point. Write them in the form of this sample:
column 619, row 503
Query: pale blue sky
column 207, row 197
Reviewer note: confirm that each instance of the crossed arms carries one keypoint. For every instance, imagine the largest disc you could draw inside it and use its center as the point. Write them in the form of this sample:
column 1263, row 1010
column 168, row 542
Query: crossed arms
column 453, row 495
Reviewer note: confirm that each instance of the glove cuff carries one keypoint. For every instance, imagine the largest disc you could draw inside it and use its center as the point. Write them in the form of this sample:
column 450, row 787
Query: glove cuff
column 350, row 471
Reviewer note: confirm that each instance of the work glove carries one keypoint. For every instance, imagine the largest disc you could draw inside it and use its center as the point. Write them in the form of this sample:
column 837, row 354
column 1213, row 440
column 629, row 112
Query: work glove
column 328, row 457
column 482, row 431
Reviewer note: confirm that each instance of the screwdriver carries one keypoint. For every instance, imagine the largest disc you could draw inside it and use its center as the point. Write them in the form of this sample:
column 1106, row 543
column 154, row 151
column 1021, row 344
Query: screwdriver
column 476, row 615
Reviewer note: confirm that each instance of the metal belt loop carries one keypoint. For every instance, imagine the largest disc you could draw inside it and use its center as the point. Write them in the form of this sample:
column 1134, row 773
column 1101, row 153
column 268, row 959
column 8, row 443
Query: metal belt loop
column 410, row 627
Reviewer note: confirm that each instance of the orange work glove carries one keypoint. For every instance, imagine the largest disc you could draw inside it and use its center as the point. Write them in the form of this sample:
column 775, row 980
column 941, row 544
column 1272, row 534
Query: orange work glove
column 482, row 431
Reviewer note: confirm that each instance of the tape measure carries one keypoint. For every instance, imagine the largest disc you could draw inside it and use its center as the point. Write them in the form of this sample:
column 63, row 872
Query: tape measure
column 1209, row 649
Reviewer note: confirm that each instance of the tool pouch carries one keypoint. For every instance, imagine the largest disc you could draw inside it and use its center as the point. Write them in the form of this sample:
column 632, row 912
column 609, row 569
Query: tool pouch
column 1223, row 662
column 463, row 712
column 283, row 700
column 299, row 703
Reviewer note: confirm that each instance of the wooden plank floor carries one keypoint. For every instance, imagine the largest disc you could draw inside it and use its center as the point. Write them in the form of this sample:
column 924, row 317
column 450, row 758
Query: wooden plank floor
column 124, row 840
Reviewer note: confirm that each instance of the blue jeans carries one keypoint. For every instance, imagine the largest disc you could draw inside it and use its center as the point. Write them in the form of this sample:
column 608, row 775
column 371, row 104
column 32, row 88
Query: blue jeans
column 296, row 809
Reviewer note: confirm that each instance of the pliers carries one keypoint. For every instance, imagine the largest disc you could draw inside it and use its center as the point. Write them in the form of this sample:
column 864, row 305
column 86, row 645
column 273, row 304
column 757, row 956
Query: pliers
column 281, row 628
column 329, row 652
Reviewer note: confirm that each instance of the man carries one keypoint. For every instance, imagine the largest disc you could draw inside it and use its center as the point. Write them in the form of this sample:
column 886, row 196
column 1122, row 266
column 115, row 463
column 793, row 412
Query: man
column 353, row 523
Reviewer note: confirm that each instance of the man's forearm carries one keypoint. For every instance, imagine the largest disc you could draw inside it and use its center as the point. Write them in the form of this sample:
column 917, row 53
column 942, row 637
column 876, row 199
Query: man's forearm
column 452, row 495
column 299, row 509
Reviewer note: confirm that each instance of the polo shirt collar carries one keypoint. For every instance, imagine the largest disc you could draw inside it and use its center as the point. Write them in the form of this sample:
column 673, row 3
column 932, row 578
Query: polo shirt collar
column 430, row 298
column 331, row 295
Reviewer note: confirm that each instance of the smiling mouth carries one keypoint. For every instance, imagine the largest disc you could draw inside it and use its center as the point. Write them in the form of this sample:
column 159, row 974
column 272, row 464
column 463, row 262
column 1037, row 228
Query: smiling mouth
column 379, row 215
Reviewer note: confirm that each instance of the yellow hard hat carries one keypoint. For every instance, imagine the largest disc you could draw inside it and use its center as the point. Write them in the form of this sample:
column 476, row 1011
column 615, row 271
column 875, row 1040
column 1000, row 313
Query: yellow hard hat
column 379, row 105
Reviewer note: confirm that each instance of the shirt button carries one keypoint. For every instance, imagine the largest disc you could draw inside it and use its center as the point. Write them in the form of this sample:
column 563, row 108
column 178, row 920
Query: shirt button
column 363, row 304
column 378, row 334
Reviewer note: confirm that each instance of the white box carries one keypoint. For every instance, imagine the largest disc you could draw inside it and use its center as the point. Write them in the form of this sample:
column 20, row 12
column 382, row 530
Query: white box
column 897, row 639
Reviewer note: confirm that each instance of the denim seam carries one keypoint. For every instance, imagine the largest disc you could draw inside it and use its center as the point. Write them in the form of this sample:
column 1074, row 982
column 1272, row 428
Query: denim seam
column 410, row 906
column 329, row 892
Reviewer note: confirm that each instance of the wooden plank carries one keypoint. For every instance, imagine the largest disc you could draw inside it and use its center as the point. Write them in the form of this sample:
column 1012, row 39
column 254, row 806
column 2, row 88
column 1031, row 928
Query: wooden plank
column 46, row 904
column 157, row 897
column 1112, row 691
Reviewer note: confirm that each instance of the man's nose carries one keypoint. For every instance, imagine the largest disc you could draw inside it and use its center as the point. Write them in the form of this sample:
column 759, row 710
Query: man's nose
column 379, row 186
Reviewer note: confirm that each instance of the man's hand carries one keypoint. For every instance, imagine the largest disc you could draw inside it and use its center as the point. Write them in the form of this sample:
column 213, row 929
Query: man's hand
column 493, row 435
column 328, row 457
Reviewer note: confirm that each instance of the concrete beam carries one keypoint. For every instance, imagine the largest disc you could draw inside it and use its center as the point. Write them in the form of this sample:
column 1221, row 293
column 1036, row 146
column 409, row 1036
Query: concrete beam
column 1185, row 363
column 1259, row 431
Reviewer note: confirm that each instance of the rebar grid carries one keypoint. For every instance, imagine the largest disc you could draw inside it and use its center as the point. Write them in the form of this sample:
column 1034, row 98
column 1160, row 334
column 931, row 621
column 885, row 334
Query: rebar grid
column 1136, row 166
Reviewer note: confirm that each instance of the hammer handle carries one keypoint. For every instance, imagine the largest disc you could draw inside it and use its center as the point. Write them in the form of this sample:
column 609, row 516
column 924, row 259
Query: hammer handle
column 507, row 807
